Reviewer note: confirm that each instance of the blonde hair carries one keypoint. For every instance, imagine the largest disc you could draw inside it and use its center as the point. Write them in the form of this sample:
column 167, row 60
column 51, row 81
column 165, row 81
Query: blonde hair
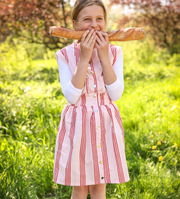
column 80, row 4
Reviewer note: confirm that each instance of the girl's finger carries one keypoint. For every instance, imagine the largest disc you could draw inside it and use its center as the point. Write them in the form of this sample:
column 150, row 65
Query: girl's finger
column 98, row 40
column 97, row 45
column 91, row 40
column 105, row 36
column 84, row 35
column 89, row 36
column 100, row 35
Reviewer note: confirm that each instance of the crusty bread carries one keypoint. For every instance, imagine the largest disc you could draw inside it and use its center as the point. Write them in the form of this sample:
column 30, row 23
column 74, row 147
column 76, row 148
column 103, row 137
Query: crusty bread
column 127, row 34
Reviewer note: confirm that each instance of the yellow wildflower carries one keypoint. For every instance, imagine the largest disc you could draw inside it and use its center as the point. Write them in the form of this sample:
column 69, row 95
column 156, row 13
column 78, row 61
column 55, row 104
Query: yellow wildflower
column 154, row 147
column 161, row 140
column 175, row 144
column 127, row 78
column 160, row 158
column 147, row 121
column 151, row 136
column 160, row 132
column 159, row 143
column 54, row 186
column 24, row 148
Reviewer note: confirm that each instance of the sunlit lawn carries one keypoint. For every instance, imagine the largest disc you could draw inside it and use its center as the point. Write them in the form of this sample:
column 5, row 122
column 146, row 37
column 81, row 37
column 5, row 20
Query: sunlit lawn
column 31, row 102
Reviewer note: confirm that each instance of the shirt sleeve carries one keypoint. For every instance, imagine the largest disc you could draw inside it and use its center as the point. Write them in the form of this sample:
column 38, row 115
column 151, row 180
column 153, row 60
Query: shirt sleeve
column 116, row 89
column 71, row 93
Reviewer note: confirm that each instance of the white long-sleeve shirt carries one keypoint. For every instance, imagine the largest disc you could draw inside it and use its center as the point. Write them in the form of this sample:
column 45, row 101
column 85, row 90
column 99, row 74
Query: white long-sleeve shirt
column 72, row 93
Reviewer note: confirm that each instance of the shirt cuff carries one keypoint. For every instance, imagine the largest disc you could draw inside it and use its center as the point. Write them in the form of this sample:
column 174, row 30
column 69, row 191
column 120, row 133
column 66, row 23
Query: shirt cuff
column 114, row 85
column 73, row 90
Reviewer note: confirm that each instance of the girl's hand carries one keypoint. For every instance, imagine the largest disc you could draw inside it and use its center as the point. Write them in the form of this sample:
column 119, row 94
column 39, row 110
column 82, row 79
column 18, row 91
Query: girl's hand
column 87, row 43
column 102, row 45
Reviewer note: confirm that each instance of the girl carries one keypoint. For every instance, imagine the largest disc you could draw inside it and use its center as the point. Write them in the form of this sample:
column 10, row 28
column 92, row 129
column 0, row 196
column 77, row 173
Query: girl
column 90, row 150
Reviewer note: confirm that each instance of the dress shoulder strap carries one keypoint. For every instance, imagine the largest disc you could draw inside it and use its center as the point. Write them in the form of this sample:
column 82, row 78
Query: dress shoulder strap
column 114, row 52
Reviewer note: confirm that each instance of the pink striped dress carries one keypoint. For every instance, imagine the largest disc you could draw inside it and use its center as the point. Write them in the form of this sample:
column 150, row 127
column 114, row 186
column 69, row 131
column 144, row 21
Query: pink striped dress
column 90, row 146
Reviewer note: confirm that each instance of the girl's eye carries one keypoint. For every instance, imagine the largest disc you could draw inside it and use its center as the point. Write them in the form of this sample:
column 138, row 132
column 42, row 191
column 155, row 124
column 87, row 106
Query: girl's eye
column 99, row 18
column 86, row 19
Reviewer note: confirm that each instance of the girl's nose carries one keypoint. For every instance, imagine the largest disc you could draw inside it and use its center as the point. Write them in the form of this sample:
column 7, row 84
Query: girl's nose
column 93, row 24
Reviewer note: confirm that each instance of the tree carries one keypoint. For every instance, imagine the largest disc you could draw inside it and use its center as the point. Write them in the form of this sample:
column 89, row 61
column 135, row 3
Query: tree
column 31, row 19
column 161, row 21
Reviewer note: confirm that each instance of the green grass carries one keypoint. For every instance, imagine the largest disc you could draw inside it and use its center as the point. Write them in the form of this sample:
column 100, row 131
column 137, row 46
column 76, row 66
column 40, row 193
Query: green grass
column 31, row 102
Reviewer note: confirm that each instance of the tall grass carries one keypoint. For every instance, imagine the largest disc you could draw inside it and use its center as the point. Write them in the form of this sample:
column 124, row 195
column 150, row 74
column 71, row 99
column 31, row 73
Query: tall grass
column 31, row 102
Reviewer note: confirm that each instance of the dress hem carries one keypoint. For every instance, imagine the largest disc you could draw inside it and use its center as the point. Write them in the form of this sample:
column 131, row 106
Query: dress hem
column 62, row 183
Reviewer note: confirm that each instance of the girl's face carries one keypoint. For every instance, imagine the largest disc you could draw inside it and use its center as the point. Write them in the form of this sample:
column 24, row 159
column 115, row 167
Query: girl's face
column 91, row 17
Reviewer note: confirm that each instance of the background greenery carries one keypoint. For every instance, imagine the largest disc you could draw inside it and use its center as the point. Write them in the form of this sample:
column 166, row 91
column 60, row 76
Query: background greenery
column 31, row 102
column 31, row 98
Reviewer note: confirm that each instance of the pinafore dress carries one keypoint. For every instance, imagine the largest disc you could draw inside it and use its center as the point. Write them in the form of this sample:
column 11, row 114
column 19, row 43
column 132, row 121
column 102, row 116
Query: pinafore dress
column 90, row 146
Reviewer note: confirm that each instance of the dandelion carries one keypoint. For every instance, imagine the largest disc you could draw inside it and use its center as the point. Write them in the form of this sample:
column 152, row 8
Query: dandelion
column 161, row 140
column 132, row 118
column 159, row 143
column 24, row 148
column 153, row 147
column 160, row 132
column 147, row 121
column 54, row 186
column 175, row 144
column 151, row 136
column 127, row 78
column 160, row 158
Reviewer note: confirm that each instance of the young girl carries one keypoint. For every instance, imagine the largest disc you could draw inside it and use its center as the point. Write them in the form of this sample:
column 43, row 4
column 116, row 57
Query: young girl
column 90, row 150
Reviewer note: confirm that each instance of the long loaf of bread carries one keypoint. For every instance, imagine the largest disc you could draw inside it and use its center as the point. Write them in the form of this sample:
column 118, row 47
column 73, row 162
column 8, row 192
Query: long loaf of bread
column 127, row 34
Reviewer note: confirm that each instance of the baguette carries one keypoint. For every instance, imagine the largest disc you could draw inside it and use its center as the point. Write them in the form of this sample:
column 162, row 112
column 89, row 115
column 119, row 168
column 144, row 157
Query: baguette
column 127, row 34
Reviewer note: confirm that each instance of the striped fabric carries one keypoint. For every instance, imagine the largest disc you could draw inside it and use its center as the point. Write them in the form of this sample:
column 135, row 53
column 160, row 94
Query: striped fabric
column 90, row 146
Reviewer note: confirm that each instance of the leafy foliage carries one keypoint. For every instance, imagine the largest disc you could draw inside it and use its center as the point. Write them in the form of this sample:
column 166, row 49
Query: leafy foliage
column 161, row 21
column 30, row 20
